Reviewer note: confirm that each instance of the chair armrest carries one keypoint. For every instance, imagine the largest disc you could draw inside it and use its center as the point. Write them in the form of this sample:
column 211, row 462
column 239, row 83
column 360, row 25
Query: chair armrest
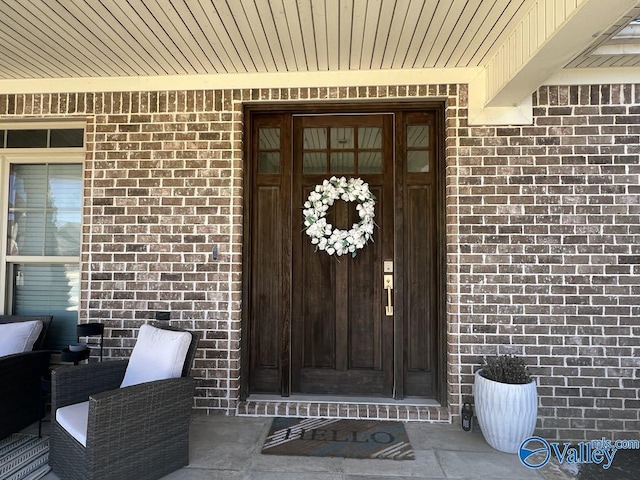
column 20, row 381
column 74, row 384
column 145, row 413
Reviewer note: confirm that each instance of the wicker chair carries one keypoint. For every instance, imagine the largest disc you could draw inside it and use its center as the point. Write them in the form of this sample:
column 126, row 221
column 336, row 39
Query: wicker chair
column 138, row 432
column 20, row 376
column 45, row 319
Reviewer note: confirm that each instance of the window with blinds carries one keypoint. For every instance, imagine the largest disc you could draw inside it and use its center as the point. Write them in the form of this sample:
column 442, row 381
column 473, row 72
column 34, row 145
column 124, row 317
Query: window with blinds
column 44, row 208
column 52, row 290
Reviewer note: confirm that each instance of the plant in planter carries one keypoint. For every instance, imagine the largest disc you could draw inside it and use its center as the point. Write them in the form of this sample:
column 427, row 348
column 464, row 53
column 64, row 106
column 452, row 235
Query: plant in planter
column 506, row 402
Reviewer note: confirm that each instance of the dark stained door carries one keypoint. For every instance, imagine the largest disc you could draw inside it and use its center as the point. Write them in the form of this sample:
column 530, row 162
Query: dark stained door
column 319, row 324
column 342, row 341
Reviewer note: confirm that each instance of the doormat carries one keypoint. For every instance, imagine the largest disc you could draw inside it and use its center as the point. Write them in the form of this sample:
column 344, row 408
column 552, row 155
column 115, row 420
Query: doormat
column 322, row 437
column 24, row 457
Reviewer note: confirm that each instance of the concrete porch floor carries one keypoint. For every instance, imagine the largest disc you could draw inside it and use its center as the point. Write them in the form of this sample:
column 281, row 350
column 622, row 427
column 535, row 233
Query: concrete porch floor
column 229, row 448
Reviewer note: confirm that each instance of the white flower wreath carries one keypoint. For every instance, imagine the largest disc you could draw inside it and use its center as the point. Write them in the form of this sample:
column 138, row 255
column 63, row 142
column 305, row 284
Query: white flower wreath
column 336, row 241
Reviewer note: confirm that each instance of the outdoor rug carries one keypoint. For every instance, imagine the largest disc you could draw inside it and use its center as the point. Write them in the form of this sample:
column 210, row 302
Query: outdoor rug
column 321, row 437
column 24, row 457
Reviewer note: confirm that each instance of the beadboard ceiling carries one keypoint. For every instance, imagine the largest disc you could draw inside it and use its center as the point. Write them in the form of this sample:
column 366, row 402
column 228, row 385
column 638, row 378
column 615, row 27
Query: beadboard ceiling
column 71, row 39
column 105, row 38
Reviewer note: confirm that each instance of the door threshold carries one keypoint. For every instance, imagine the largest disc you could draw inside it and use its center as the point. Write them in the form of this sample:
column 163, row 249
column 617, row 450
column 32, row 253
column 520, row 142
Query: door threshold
column 345, row 407
column 345, row 399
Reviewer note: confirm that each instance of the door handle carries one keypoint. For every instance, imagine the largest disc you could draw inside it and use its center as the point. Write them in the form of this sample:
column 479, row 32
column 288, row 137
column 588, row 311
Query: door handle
column 388, row 286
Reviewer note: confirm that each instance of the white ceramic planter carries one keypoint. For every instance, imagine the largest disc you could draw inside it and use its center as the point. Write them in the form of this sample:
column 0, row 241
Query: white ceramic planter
column 506, row 413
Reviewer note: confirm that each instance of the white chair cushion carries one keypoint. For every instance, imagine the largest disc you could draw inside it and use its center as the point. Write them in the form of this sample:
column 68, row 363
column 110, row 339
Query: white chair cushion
column 74, row 419
column 18, row 337
column 157, row 355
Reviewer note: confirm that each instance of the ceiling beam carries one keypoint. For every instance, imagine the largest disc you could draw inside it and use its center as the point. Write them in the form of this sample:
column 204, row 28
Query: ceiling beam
column 350, row 78
column 544, row 41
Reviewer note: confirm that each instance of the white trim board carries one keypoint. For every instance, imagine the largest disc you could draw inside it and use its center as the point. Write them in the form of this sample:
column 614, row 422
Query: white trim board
column 350, row 78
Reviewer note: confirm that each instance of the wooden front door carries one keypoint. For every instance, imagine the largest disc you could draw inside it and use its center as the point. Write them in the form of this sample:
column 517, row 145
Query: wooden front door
column 320, row 324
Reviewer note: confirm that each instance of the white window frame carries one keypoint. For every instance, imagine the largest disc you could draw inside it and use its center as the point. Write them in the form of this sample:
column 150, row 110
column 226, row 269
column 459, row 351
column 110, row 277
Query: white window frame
column 12, row 156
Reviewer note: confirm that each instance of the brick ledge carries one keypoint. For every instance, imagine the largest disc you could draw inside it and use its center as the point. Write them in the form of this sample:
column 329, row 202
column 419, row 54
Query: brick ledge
column 378, row 411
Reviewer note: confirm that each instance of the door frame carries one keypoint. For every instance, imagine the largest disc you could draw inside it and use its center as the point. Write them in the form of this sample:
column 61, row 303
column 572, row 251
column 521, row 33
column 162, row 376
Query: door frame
column 338, row 107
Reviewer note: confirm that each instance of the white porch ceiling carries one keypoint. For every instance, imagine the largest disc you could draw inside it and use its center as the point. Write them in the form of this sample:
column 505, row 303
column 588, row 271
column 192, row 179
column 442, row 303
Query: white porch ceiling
column 45, row 40
column 108, row 38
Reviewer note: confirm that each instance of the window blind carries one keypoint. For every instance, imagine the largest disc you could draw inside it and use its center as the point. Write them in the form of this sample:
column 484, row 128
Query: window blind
column 44, row 220
column 42, row 289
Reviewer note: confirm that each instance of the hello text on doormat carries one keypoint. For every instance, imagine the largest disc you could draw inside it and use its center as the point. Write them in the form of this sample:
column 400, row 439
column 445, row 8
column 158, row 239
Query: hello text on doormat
column 318, row 437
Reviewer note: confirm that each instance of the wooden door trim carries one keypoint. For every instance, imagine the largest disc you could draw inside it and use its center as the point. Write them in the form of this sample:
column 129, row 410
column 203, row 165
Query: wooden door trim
column 441, row 256
column 339, row 107
column 398, row 262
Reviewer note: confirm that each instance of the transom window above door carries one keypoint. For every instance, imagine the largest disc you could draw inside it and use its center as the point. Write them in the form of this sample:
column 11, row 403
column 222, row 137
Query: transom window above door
column 342, row 150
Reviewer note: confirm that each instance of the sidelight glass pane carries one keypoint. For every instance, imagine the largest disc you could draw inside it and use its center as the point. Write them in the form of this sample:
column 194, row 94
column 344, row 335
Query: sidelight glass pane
column 269, row 139
column 417, row 136
column 370, row 137
column 342, row 137
column 342, row 162
column 418, row 161
column 315, row 162
column 314, row 139
column 269, row 162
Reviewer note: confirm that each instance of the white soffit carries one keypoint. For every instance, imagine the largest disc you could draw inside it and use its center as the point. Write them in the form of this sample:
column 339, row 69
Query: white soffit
column 548, row 37
column 143, row 38
column 626, row 42
column 504, row 49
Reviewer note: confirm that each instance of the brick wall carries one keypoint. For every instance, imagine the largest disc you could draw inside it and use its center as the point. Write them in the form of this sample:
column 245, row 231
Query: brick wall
column 543, row 234
column 164, row 184
column 549, row 255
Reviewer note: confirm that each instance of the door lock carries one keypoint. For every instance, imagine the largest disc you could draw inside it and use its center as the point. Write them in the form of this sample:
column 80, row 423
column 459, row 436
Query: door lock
column 388, row 286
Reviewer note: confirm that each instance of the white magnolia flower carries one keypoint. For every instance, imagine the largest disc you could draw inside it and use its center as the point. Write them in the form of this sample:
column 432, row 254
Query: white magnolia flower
column 315, row 208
